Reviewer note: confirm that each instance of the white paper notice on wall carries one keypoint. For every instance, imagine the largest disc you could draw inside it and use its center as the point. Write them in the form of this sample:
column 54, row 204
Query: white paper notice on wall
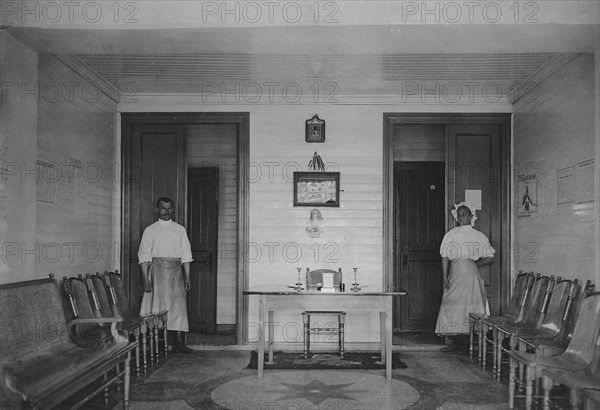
column 473, row 197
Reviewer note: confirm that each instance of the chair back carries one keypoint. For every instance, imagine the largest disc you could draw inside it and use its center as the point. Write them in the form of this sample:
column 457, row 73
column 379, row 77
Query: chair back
column 101, row 295
column 585, row 291
column 77, row 288
column 553, row 318
column 315, row 277
column 25, row 307
column 534, row 304
column 119, row 290
column 587, row 329
column 520, row 292
column 86, row 334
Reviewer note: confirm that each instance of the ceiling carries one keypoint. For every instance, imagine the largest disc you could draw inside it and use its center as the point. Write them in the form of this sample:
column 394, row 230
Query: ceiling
column 384, row 60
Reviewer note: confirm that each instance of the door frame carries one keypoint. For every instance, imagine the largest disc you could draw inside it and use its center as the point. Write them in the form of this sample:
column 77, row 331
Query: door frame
column 391, row 119
column 242, row 121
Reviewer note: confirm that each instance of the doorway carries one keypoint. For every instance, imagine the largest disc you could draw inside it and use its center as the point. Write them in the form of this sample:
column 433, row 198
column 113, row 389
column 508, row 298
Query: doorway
column 475, row 152
column 166, row 163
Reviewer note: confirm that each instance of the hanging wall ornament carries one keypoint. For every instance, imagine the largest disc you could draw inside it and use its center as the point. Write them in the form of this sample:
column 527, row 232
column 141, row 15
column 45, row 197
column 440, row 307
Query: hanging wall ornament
column 315, row 129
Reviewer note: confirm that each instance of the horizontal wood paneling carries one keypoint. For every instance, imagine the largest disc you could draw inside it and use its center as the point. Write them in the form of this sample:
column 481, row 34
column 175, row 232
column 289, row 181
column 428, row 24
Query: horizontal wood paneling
column 216, row 146
column 554, row 129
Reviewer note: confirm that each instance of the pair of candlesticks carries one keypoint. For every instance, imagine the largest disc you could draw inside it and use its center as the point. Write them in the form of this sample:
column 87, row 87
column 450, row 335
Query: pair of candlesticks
column 354, row 288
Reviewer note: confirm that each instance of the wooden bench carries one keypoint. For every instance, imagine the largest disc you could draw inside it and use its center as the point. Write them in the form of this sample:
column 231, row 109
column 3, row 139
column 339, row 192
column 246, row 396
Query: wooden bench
column 39, row 365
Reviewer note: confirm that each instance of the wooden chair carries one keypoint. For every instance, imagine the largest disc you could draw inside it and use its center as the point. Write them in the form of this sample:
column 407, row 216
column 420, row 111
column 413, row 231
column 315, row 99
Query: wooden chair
column 134, row 327
column 313, row 279
column 544, row 343
column 86, row 333
column 531, row 311
column 514, row 312
column 576, row 382
column 154, row 322
column 577, row 357
column 533, row 335
column 532, row 320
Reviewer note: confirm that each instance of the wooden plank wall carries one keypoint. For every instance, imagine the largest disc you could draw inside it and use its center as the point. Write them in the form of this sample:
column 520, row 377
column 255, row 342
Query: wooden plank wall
column 554, row 129
column 278, row 241
column 18, row 137
column 215, row 145
column 74, row 233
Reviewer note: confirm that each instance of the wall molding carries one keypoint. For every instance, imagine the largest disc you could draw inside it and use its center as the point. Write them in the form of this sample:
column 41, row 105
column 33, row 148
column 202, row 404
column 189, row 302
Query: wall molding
column 80, row 67
column 529, row 84
column 494, row 104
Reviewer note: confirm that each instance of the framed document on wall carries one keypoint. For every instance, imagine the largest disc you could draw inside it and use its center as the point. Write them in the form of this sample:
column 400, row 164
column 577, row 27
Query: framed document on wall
column 317, row 189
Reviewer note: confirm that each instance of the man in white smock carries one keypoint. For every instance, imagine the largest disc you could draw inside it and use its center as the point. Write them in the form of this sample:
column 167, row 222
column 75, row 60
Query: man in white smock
column 463, row 250
column 164, row 249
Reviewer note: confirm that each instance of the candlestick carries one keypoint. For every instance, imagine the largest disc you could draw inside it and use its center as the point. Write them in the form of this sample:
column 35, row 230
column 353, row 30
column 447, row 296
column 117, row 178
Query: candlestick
column 299, row 280
column 355, row 287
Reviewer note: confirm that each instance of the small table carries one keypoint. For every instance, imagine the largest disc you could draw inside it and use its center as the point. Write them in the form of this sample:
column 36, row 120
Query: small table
column 297, row 301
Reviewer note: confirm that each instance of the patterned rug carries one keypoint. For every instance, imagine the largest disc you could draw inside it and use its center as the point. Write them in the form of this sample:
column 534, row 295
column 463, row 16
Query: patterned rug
column 352, row 360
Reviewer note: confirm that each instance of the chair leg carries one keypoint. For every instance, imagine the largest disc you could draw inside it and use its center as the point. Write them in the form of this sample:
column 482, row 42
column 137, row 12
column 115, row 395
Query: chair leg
column 512, row 380
column 145, row 346
column 498, row 356
column 480, row 342
column 529, row 380
column 484, row 347
column 151, row 329
column 575, row 399
column 156, row 341
column 165, row 335
column 547, row 384
column 136, row 336
column 471, row 331
column 126, row 379
column 496, row 340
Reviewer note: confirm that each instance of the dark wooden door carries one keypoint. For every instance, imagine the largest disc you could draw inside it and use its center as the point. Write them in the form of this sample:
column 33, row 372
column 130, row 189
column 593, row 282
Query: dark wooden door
column 203, row 206
column 154, row 166
column 419, row 228
column 475, row 163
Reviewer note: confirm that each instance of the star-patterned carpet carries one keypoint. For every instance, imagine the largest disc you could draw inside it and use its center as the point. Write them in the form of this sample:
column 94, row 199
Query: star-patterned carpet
column 219, row 380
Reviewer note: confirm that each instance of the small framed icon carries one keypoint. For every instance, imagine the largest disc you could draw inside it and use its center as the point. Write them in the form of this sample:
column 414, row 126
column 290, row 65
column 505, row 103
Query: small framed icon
column 315, row 129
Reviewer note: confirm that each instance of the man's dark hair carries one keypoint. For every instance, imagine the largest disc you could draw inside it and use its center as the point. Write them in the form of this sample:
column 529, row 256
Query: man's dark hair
column 164, row 199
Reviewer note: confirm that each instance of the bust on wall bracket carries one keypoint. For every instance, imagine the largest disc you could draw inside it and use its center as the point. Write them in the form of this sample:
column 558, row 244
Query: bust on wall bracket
column 315, row 129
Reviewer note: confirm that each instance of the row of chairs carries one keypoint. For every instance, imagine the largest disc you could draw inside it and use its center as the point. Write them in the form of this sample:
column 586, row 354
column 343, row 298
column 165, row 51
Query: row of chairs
column 103, row 296
column 546, row 318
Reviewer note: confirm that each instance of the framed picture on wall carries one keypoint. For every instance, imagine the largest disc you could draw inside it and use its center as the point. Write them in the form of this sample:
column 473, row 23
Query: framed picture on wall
column 317, row 189
column 315, row 129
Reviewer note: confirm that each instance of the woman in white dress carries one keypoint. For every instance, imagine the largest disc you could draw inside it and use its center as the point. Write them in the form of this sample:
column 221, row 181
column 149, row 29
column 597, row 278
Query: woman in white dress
column 463, row 250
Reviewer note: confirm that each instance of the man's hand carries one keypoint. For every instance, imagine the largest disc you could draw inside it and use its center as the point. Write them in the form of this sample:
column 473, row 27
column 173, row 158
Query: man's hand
column 147, row 285
column 188, row 285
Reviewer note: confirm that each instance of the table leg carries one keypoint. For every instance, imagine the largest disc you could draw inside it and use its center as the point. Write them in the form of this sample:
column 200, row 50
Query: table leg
column 262, row 307
column 388, row 337
column 271, row 327
column 382, row 336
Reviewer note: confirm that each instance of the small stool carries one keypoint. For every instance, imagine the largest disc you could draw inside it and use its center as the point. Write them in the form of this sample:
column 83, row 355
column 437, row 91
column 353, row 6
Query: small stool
column 307, row 328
